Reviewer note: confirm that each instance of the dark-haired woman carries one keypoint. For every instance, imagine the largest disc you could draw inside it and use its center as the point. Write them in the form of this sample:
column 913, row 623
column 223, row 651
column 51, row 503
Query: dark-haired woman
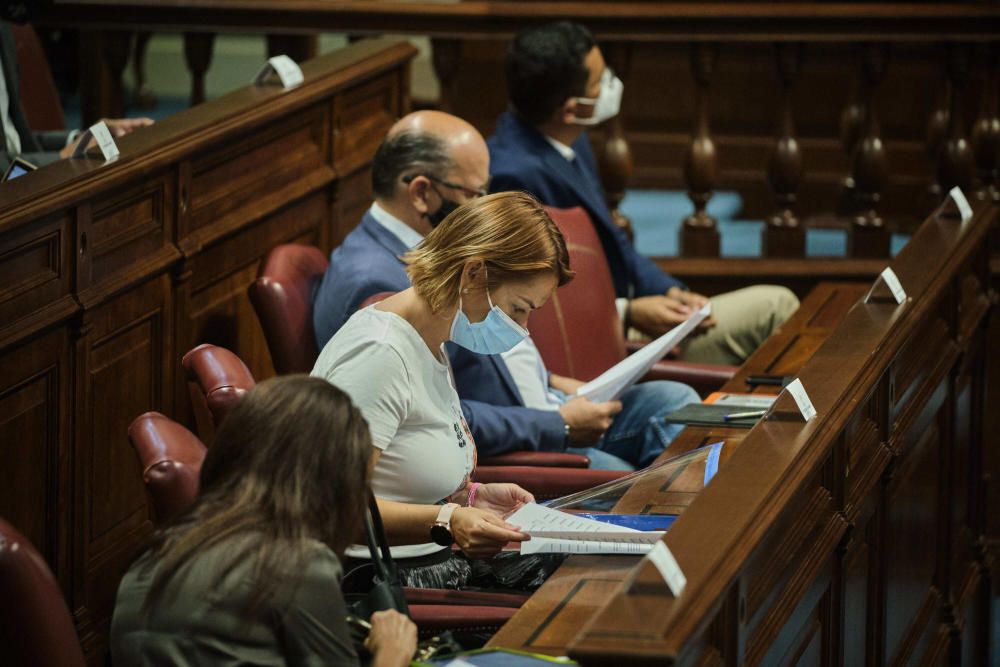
column 250, row 574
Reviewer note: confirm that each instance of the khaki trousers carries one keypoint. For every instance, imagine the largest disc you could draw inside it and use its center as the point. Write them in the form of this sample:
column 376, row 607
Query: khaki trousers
column 745, row 318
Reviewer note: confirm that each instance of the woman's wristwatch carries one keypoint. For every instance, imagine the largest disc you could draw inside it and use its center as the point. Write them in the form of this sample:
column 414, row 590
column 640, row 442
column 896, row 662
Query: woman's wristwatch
column 441, row 530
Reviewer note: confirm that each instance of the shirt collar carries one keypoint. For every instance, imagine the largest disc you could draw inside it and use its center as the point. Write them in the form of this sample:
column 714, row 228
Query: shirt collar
column 563, row 149
column 409, row 237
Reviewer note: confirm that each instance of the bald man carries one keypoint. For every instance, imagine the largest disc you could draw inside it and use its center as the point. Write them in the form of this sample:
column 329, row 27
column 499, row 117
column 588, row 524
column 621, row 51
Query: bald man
column 429, row 164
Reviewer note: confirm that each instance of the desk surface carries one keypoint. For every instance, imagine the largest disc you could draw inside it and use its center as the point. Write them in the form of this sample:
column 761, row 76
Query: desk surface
column 553, row 616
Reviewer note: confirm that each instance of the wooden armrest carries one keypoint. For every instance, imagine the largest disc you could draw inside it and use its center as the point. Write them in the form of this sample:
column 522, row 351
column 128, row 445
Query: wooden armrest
column 704, row 378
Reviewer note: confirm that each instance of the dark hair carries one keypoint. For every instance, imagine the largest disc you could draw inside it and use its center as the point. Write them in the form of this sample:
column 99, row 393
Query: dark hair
column 408, row 152
column 545, row 66
column 288, row 465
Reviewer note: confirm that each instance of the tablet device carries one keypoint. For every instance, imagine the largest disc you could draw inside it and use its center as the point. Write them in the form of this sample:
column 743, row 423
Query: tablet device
column 18, row 167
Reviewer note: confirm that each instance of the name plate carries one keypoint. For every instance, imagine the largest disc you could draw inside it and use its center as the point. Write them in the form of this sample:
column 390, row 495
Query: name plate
column 100, row 133
column 668, row 568
column 964, row 210
column 892, row 282
column 801, row 399
column 288, row 71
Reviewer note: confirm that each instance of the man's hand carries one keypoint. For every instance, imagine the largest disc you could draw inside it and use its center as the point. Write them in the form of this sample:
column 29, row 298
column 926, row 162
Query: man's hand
column 501, row 499
column 118, row 127
column 656, row 315
column 481, row 533
column 588, row 420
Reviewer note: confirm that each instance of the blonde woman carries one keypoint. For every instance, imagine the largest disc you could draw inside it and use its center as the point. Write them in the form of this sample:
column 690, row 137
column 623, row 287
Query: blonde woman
column 476, row 278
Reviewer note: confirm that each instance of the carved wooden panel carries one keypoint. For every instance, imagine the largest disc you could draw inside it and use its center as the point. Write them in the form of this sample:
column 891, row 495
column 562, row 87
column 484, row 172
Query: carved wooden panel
column 122, row 371
column 125, row 237
column 212, row 302
column 253, row 177
column 35, row 276
column 35, row 420
column 913, row 545
column 361, row 117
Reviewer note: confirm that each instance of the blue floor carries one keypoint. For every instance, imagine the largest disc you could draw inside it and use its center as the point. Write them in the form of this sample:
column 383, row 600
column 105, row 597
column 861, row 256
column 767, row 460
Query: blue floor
column 657, row 214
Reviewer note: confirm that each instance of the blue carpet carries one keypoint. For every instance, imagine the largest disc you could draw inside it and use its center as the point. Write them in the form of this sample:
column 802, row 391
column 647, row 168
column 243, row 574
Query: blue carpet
column 657, row 215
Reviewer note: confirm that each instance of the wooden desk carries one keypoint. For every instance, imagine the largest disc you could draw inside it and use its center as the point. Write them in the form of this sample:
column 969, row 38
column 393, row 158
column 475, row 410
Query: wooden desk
column 859, row 537
column 556, row 612
column 110, row 272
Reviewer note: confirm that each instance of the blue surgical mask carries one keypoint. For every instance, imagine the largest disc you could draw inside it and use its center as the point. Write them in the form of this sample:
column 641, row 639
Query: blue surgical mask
column 494, row 335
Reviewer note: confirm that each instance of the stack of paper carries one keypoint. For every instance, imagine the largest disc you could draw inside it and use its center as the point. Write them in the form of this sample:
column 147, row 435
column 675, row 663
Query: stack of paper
column 613, row 382
column 553, row 531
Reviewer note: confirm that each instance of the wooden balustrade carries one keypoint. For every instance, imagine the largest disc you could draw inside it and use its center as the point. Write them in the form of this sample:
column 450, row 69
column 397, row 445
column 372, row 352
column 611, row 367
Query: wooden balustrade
column 112, row 271
column 784, row 236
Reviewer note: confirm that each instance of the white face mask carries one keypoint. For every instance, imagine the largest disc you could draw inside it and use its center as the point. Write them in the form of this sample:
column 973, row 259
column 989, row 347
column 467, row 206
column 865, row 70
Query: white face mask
column 606, row 104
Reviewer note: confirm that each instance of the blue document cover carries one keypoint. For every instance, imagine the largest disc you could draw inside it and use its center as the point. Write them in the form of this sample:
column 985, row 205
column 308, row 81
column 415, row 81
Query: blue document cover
column 636, row 521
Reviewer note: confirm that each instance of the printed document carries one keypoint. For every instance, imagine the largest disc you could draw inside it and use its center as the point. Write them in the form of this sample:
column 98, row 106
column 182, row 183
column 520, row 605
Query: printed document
column 613, row 382
column 553, row 531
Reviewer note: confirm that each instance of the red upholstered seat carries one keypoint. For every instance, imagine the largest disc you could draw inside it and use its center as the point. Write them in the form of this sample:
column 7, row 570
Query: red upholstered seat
column 218, row 380
column 282, row 297
column 578, row 332
column 170, row 457
column 35, row 626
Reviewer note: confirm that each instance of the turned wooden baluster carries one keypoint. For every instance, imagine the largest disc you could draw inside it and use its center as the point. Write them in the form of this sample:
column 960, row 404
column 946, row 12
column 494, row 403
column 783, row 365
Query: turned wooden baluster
column 986, row 131
column 937, row 130
column 869, row 166
column 198, row 56
column 446, row 57
column 614, row 159
column 700, row 232
column 955, row 164
column 144, row 98
column 852, row 123
column 104, row 55
column 784, row 236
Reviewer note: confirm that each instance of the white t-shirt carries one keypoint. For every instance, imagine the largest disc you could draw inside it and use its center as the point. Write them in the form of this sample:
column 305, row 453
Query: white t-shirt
column 407, row 397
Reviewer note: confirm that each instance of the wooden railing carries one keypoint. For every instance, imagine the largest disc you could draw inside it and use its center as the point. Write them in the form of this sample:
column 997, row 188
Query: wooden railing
column 110, row 272
column 857, row 116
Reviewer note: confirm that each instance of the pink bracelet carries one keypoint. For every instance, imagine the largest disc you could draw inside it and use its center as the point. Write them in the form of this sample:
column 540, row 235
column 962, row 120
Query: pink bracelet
column 472, row 492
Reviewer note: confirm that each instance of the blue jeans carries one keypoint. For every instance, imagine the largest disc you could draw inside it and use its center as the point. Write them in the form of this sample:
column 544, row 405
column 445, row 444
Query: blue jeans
column 638, row 433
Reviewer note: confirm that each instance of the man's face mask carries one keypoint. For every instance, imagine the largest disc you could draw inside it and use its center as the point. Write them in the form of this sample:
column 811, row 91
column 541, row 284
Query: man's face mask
column 438, row 216
column 606, row 104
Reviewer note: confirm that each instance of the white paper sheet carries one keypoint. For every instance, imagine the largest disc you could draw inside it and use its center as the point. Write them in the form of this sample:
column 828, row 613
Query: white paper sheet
column 554, row 531
column 664, row 561
column 613, row 382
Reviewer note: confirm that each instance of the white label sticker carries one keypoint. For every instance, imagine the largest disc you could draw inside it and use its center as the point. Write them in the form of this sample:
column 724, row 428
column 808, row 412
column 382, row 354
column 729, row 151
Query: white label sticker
column 667, row 565
column 109, row 149
column 798, row 393
column 892, row 280
column 963, row 204
column 288, row 71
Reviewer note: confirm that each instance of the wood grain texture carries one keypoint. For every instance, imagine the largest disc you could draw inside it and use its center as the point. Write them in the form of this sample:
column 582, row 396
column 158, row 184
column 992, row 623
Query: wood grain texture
column 109, row 273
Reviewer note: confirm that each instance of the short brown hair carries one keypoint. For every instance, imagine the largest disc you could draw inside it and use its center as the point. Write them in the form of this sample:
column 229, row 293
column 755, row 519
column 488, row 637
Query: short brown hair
column 509, row 231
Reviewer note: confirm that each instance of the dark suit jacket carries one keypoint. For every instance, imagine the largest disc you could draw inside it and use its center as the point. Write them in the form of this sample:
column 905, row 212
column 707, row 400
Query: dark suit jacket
column 522, row 159
column 368, row 262
column 39, row 148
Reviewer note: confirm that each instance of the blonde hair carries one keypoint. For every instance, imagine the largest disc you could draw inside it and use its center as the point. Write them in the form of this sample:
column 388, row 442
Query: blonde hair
column 509, row 231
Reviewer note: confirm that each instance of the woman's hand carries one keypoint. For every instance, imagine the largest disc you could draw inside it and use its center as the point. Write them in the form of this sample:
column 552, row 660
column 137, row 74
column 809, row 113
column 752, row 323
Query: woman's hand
column 392, row 640
column 501, row 499
column 481, row 533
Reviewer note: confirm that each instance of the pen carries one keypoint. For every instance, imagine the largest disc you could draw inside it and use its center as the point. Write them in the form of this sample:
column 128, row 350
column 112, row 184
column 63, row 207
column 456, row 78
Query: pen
column 743, row 415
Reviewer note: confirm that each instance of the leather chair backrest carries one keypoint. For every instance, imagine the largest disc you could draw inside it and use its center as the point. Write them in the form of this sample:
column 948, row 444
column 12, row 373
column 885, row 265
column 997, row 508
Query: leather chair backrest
column 578, row 332
column 282, row 295
column 170, row 457
column 219, row 380
column 35, row 626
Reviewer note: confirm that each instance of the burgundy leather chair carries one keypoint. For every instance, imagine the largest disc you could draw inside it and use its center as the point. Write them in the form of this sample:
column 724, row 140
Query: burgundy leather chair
column 586, row 304
column 35, row 626
column 170, row 457
column 217, row 379
column 282, row 297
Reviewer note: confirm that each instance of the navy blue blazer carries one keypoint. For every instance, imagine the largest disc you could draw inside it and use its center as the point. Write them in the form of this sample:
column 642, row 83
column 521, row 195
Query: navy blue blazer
column 522, row 159
column 368, row 262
